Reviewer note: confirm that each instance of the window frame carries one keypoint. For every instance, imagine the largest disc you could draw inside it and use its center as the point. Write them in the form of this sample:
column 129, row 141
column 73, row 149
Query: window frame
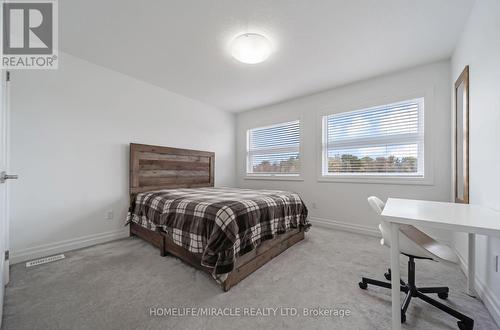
column 272, row 176
column 404, row 179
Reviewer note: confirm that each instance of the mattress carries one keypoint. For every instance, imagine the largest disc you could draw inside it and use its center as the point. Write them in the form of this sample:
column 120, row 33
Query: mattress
column 219, row 223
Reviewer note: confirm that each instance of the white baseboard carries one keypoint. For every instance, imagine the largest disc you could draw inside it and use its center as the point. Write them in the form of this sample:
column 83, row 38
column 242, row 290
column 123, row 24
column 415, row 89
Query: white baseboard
column 358, row 229
column 490, row 301
column 45, row 250
column 345, row 226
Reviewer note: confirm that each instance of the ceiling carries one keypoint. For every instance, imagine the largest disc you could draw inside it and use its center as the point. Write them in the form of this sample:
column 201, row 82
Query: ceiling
column 182, row 45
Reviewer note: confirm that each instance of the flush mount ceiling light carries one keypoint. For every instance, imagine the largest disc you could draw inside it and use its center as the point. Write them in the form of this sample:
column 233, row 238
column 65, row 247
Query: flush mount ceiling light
column 251, row 48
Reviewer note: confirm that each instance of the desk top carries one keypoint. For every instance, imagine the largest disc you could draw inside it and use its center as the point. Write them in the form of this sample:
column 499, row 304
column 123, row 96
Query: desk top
column 468, row 218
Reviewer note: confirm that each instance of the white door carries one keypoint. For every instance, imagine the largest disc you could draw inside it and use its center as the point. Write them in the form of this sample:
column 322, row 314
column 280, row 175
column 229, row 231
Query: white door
column 4, row 179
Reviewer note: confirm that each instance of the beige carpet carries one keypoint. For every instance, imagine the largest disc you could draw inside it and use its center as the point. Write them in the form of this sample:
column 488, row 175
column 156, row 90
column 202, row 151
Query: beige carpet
column 115, row 285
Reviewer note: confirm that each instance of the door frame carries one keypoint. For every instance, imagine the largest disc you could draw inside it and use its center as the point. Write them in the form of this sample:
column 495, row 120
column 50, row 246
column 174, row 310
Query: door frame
column 4, row 166
column 5, row 76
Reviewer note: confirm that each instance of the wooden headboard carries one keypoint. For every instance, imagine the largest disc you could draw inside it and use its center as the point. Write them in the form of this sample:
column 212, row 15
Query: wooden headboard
column 154, row 168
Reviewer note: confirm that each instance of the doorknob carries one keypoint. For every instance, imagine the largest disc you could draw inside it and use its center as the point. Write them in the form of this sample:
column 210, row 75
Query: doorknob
column 4, row 176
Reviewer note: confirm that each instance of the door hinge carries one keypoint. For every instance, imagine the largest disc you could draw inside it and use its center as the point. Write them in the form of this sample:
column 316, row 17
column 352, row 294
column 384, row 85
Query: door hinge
column 6, row 255
column 8, row 75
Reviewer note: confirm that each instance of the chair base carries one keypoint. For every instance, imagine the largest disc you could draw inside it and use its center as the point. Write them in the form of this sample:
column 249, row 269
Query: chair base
column 412, row 291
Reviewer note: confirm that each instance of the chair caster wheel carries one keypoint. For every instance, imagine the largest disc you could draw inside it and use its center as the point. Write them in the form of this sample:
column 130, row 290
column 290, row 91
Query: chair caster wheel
column 403, row 318
column 363, row 285
column 443, row 295
column 463, row 326
column 387, row 276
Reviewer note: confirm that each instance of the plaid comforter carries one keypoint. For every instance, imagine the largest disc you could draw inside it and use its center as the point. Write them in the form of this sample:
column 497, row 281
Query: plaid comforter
column 219, row 223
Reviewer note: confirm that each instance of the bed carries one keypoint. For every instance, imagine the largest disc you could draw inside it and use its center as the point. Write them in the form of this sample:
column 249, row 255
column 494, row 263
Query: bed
column 227, row 232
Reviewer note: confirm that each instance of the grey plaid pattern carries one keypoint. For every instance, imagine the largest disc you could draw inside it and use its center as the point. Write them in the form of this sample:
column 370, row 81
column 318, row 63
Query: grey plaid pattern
column 219, row 223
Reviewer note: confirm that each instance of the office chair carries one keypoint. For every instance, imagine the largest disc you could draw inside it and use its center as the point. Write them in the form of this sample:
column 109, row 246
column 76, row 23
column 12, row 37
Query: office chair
column 415, row 244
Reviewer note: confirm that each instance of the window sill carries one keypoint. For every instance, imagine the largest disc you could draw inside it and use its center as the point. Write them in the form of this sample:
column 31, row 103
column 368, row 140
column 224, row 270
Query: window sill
column 378, row 180
column 274, row 177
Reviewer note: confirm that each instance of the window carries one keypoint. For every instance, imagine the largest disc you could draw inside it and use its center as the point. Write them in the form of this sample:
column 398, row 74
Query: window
column 383, row 141
column 274, row 150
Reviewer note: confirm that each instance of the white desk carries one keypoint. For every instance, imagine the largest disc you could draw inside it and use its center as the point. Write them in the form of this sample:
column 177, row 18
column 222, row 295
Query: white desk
column 472, row 219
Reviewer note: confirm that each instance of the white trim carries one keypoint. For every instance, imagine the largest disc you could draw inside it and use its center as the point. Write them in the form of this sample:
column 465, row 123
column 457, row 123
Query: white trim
column 66, row 245
column 4, row 210
column 345, row 226
column 490, row 301
column 8, row 169
column 358, row 229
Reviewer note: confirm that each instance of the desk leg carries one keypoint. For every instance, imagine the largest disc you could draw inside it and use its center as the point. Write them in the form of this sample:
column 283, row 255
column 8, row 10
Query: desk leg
column 395, row 277
column 471, row 269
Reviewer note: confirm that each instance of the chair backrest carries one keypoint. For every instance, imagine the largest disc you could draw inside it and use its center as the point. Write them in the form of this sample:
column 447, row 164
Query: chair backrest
column 376, row 204
column 411, row 240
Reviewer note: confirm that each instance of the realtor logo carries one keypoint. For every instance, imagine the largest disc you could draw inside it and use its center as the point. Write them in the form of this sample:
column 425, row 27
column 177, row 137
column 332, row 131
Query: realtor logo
column 29, row 35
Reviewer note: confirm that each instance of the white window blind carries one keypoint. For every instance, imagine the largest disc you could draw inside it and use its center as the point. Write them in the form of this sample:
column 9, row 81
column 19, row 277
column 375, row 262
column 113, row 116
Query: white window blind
column 385, row 140
column 274, row 149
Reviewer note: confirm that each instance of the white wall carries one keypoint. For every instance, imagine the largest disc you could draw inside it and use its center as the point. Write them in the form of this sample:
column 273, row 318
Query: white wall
column 343, row 205
column 479, row 48
column 70, row 133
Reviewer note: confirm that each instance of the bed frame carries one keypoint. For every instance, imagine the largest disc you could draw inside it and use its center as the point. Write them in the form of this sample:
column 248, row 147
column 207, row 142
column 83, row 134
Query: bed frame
column 154, row 168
